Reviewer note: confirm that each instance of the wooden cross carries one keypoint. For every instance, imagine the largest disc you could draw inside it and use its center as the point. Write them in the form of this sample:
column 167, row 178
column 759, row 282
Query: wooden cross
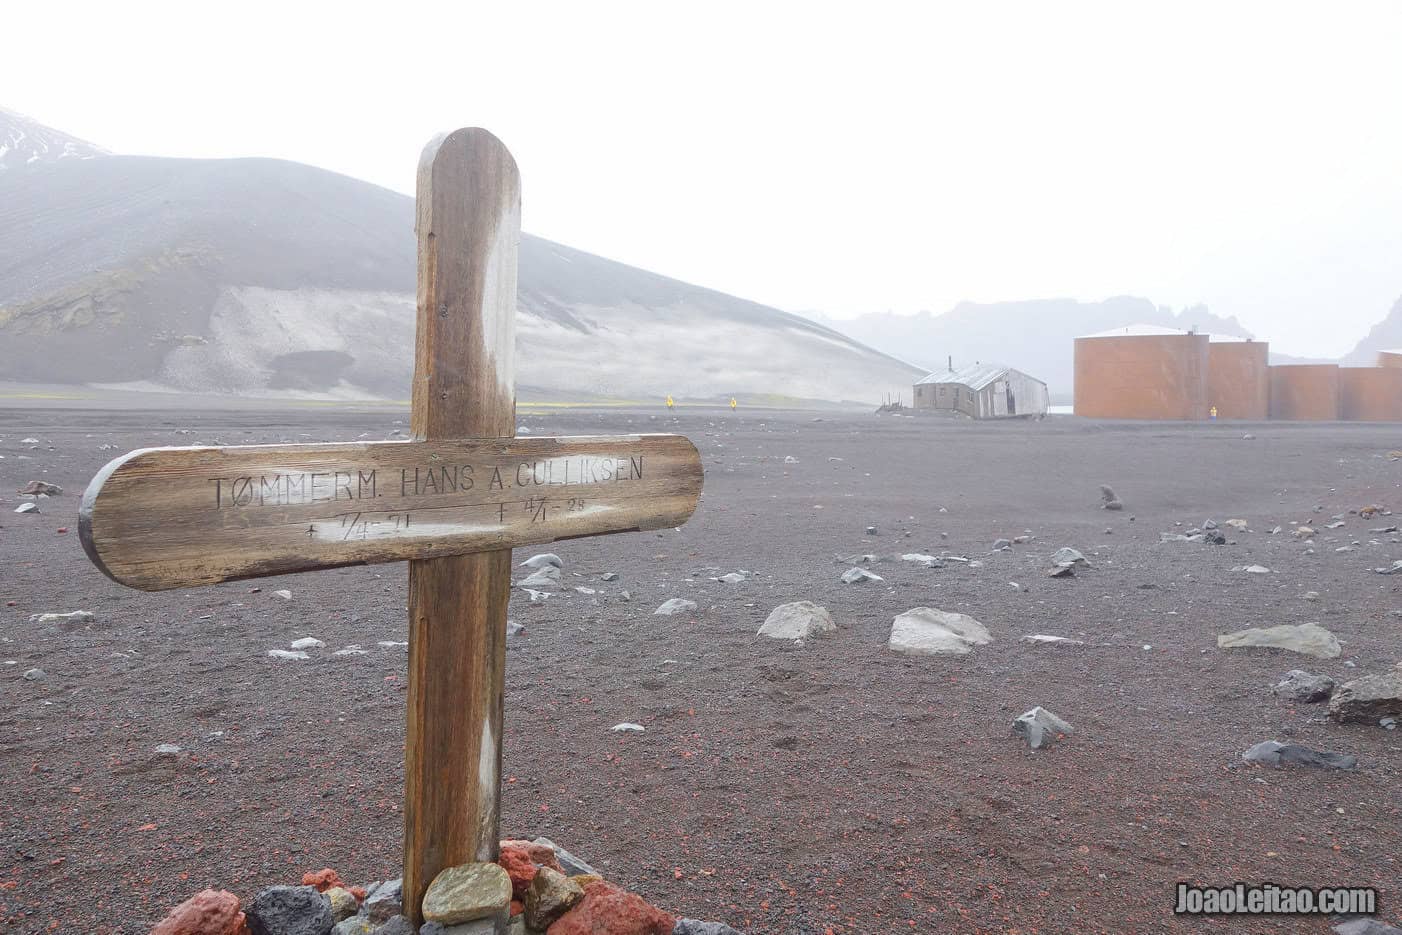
column 453, row 502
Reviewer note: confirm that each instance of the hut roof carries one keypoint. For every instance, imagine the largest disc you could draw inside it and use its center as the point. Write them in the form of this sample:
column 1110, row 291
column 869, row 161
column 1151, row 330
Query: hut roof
column 975, row 376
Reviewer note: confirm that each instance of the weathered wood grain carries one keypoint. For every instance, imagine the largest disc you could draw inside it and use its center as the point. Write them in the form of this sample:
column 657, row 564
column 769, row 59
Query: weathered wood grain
column 179, row 517
column 469, row 230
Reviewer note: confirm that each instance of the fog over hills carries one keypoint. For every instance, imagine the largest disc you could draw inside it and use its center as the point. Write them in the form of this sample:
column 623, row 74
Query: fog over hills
column 260, row 276
column 1036, row 337
column 1386, row 335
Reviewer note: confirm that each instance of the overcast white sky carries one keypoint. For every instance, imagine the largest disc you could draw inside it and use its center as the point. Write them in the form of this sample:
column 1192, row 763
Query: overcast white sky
column 839, row 158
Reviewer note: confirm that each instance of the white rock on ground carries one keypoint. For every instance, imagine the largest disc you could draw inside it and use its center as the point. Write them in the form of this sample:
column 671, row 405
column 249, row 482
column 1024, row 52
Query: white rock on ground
column 1046, row 638
column 68, row 621
column 675, row 605
column 543, row 577
column 287, row 654
column 1308, row 638
column 924, row 631
column 307, row 642
column 285, row 594
column 797, row 620
column 858, row 575
column 1039, row 727
column 543, row 560
column 627, row 728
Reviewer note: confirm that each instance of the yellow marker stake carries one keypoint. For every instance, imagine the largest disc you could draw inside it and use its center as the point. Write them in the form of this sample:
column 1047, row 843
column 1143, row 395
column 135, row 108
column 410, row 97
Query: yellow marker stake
column 670, row 404
column 732, row 402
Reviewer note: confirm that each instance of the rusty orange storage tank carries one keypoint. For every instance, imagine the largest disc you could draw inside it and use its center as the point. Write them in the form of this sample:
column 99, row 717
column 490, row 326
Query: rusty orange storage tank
column 1390, row 358
column 1141, row 372
column 1305, row 392
column 1371, row 394
column 1238, row 377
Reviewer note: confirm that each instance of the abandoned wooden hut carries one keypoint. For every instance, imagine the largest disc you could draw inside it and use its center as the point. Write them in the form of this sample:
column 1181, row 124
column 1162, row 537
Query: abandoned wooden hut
column 983, row 391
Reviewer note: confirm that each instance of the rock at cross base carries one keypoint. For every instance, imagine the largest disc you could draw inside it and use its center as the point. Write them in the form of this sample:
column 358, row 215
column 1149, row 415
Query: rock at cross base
column 343, row 902
column 208, row 912
column 924, row 631
column 1299, row 685
column 1308, row 638
column 550, row 895
column 1275, row 753
column 696, row 927
column 608, row 910
column 290, row 910
column 797, row 620
column 356, row 925
column 384, row 900
column 568, row 863
column 675, row 605
column 1039, row 727
column 1368, row 699
column 520, row 864
column 467, row 892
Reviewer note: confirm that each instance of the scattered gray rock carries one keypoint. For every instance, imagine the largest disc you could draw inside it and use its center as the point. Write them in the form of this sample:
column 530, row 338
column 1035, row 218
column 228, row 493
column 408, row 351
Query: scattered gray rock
column 1308, row 638
column 544, row 560
column 1255, row 569
column 924, row 631
column 354, row 649
column 1301, row 686
column 1310, row 596
column 695, row 927
column 167, row 749
column 929, row 561
column 797, row 620
column 287, row 654
column 307, row 642
column 1045, row 638
column 34, row 675
column 1275, row 753
column 1108, row 500
column 675, row 605
column 1063, row 571
column 399, row 925
column 1365, row 926
column 467, row 892
column 1001, row 545
column 609, row 576
column 27, row 508
column 1214, row 537
column 1068, row 556
column 39, row 488
column 1365, row 700
column 355, row 925
column 383, row 900
column 512, row 628
column 731, row 578
column 1039, row 727
column 544, row 577
column 872, row 531
column 1392, row 569
column 859, row 575
column 627, row 727
column 290, row 910
column 74, row 620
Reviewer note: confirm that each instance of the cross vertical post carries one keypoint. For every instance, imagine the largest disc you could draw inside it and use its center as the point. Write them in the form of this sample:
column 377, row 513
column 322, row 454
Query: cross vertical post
column 469, row 227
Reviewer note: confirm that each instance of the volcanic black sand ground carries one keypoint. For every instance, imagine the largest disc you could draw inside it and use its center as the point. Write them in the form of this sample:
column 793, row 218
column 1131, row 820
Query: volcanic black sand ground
column 785, row 790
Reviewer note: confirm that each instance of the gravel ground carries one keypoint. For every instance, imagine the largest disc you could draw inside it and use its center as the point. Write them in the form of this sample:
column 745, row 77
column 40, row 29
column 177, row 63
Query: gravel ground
column 837, row 787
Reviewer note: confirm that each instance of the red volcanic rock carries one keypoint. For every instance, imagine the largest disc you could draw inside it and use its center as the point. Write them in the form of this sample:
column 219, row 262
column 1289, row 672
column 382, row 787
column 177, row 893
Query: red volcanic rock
column 208, row 912
column 519, row 866
column 539, row 853
column 609, row 910
column 517, row 907
column 323, row 880
column 358, row 892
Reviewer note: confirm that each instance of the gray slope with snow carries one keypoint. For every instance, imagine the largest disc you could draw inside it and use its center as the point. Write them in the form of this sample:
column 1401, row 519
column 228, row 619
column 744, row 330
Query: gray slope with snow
column 265, row 277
